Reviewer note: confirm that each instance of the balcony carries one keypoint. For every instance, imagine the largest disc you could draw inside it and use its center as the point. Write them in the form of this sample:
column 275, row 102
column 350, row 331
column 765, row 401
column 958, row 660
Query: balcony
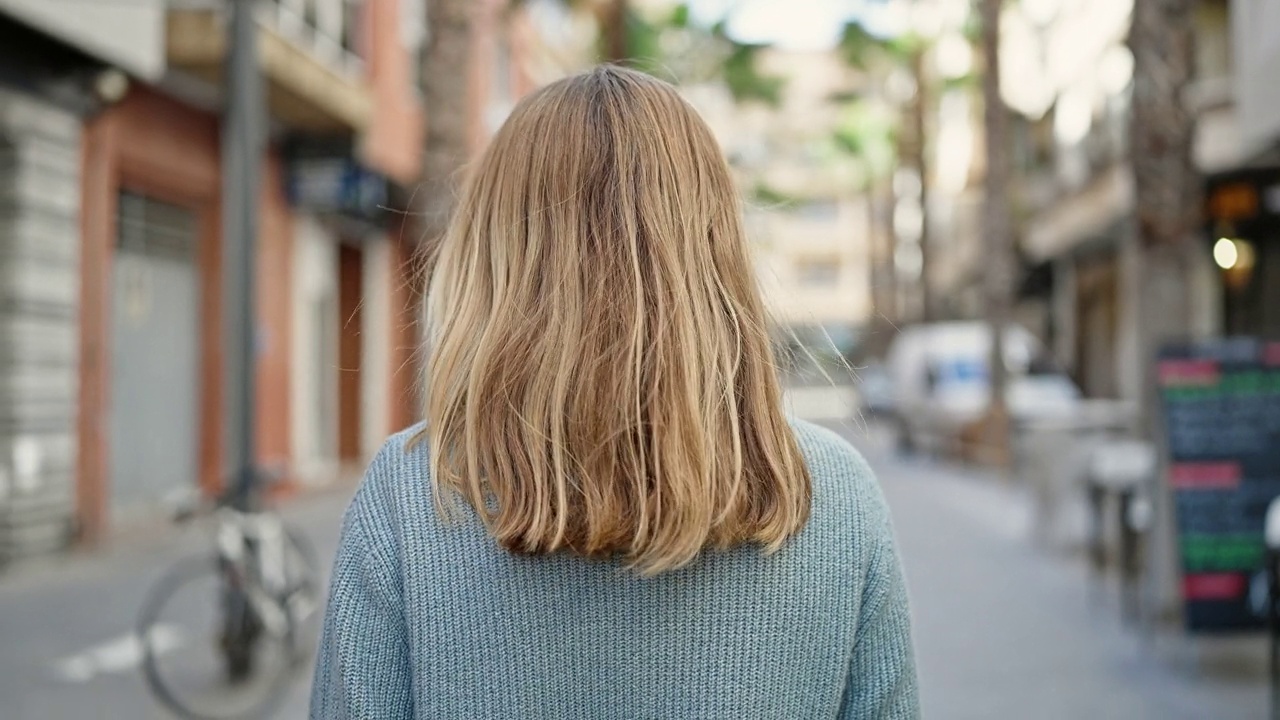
column 310, row 52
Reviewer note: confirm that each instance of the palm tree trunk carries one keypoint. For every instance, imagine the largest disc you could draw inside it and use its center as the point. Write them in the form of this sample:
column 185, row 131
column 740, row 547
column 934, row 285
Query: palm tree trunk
column 1166, row 220
column 445, row 90
column 1167, row 209
column 445, row 87
column 884, row 275
column 997, row 227
column 611, row 15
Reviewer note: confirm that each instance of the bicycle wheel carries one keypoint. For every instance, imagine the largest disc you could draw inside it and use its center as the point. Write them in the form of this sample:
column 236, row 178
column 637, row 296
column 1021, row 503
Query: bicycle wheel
column 183, row 629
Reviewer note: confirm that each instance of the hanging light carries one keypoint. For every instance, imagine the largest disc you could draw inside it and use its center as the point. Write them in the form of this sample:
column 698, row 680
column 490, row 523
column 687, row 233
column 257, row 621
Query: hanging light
column 1225, row 253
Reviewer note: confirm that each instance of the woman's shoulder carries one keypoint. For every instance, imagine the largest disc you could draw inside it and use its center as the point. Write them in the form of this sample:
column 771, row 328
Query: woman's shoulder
column 397, row 481
column 830, row 457
column 397, row 491
column 402, row 460
column 846, row 495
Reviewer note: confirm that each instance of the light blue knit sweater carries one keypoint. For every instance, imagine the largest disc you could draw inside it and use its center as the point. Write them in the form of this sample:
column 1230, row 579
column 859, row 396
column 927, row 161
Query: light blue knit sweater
column 434, row 620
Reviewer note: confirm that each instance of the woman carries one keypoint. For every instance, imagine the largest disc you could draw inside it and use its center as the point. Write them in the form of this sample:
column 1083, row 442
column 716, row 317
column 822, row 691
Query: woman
column 606, row 513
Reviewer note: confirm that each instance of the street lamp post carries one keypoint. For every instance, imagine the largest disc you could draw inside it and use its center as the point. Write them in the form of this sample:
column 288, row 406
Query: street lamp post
column 243, row 139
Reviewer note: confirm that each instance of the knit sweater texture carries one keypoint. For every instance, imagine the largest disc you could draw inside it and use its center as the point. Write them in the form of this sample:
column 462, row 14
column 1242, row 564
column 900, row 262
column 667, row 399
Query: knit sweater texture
column 429, row 618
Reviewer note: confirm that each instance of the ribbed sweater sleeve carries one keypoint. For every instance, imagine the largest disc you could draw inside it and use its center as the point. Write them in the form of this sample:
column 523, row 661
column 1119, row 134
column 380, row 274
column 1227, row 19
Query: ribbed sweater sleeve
column 363, row 668
column 882, row 681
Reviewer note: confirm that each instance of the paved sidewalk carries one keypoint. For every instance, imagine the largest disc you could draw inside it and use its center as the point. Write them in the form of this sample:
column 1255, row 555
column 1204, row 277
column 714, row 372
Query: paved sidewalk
column 74, row 605
column 1006, row 631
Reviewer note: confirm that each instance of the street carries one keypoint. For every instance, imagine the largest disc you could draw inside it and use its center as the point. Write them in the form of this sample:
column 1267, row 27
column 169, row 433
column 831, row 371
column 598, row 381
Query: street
column 1002, row 630
column 1005, row 631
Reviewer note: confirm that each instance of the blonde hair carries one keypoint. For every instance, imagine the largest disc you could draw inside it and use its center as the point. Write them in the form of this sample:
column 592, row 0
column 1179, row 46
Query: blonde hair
column 599, row 376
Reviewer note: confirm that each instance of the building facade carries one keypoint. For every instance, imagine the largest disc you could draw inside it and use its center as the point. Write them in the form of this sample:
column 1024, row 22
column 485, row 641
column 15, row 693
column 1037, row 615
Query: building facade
column 57, row 71
column 1242, row 206
column 1078, row 184
column 111, row 241
column 111, row 277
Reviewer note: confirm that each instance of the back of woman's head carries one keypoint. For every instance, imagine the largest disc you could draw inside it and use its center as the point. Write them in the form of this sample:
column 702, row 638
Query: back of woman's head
column 600, row 377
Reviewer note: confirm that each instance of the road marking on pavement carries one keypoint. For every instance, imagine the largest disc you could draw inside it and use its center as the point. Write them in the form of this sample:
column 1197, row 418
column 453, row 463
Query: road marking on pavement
column 118, row 655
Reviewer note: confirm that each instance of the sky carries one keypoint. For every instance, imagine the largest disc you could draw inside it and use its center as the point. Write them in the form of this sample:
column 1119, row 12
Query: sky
column 789, row 24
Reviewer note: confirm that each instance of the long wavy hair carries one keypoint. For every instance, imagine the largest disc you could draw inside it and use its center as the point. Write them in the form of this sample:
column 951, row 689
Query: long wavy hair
column 599, row 375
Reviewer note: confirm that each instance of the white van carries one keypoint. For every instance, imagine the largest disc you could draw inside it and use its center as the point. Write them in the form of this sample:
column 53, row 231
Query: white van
column 941, row 380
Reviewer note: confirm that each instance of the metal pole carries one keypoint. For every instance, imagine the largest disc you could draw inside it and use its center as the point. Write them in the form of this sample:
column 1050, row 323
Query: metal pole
column 243, row 141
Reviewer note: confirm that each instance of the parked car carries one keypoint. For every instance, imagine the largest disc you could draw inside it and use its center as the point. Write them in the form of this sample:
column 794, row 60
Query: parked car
column 875, row 390
column 941, row 380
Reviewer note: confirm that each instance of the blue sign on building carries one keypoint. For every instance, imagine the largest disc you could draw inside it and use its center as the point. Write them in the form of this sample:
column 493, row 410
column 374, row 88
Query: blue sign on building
column 339, row 186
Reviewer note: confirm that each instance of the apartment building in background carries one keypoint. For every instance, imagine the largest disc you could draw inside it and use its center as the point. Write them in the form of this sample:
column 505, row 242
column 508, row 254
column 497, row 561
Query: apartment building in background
column 111, row 277
column 808, row 222
column 1077, row 183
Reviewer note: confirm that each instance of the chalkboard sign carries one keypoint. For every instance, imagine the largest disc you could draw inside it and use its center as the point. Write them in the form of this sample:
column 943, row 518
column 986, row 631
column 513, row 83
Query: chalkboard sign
column 1222, row 417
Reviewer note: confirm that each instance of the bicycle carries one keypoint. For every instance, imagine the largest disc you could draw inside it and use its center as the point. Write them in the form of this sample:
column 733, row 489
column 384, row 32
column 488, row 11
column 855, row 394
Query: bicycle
column 256, row 599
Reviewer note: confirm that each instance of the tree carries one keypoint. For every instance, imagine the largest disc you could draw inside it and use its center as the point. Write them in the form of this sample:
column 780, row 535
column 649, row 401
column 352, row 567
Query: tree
column 1167, row 199
column 867, row 133
column 614, row 18
column 1166, row 215
column 997, row 228
column 445, row 149
column 445, row 91
column 624, row 36
column 615, row 22
column 671, row 46
column 906, row 55
column 918, row 150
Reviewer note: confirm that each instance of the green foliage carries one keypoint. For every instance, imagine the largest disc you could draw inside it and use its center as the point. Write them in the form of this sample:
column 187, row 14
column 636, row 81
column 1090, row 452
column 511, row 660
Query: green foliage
column 672, row 46
column 680, row 16
column 766, row 195
column 858, row 47
column 850, row 141
column 972, row 29
column 867, row 133
column 862, row 50
column 972, row 81
column 644, row 44
column 868, row 128
column 744, row 79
